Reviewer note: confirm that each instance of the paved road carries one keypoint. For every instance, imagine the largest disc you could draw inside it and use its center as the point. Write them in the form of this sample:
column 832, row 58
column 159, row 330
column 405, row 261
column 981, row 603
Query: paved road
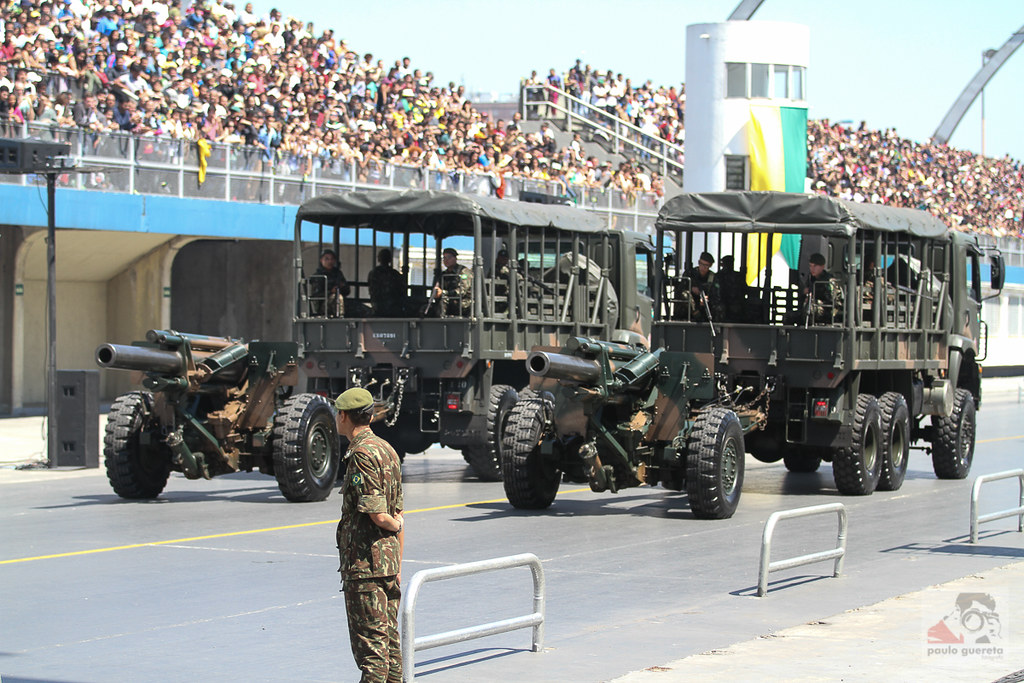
column 225, row 581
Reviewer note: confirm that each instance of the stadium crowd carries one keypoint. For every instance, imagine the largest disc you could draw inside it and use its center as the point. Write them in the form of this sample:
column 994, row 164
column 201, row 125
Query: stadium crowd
column 969, row 192
column 215, row 72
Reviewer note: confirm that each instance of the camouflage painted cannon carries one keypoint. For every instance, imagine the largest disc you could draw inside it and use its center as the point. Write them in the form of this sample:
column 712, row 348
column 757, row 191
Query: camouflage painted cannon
column 616, row 415
column 212, row 406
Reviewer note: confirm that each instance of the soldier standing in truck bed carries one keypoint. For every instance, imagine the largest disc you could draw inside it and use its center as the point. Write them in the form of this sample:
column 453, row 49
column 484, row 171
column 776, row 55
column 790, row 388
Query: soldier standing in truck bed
column 454, row 286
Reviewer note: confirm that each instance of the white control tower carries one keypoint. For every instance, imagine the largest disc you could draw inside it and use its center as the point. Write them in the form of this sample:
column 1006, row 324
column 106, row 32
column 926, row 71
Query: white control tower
column 746, row 106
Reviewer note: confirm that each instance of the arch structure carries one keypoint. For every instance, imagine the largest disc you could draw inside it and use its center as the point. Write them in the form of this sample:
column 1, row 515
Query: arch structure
column 745, row 10
column 952, row 119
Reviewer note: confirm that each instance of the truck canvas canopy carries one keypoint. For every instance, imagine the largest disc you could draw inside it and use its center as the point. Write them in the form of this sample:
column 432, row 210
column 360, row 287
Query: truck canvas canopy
column 792, row 213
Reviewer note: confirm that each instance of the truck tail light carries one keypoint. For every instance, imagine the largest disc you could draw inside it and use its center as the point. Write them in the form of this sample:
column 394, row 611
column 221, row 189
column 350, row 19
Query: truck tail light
column 452, row 402
column 820, row 408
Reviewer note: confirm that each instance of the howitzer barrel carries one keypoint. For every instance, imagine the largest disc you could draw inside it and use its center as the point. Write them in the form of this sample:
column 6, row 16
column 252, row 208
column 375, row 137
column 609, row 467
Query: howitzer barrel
column 562, row 366
column 197, row 341
column 121, row 357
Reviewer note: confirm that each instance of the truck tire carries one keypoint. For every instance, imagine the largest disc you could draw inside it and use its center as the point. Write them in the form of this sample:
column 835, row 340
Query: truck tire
column 953, row 446
column 306, row 448
column 531, row 481
column 714, row 464
column 135, row 472
column 857, row 467
column 895, row 443
column 802, row 460
column 486, row 459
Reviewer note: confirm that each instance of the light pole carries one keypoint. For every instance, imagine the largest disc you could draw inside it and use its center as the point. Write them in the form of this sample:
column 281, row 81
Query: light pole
column 985, row 56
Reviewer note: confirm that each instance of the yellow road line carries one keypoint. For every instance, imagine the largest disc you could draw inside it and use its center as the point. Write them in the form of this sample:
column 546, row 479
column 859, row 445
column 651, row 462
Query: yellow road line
column 242, row 533
column 1001, row 438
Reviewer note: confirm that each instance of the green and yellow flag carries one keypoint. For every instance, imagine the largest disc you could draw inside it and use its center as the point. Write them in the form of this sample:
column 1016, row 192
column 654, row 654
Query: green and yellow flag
column 777, row 142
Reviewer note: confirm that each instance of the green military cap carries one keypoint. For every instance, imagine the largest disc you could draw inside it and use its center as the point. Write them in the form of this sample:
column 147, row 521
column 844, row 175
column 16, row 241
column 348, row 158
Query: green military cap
column 354, row 399
column 817, row 259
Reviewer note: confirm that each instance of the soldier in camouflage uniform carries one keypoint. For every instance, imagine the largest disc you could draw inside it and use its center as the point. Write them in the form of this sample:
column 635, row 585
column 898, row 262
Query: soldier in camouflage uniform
column 455, row 286
column 701, row 278
column 501, row 274
column 727, row 293
column 822, row 294
column 370, row 539
column 387, row 287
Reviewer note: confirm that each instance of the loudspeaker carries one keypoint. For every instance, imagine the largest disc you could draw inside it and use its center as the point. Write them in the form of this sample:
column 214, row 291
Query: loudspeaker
column 78, row 429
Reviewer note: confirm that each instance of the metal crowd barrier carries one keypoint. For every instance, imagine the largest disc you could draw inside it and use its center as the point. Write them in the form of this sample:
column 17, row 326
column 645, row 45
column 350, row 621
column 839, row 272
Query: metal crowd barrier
column 1017, row 512
column 836, row 553
column 410, row 643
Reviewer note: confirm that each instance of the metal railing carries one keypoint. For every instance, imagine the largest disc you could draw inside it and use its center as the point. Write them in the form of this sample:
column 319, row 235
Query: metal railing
column 837, row 553
column 539, row 101
column 411, row 644
column 159, row 165
column 1017, row 512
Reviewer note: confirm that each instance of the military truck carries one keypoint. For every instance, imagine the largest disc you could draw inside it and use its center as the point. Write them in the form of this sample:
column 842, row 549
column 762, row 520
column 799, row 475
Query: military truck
column 878, row 351
column 212, row 406
column 447, row 369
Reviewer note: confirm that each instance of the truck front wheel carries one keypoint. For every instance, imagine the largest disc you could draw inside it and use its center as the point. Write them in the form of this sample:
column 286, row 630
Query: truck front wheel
column 856, row 468
column 530, row 479
column 135, row 471
column 714, row 464
column 306, row 448
column 953, row 446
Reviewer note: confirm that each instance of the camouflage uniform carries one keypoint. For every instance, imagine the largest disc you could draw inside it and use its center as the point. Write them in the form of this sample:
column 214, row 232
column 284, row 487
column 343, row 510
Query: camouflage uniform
column 727, row 296
column 501, row 276
column 826, row 298
column 703, row 283
column 457, row 289
column 336, row 289
column 387, row 291
column 371, row 557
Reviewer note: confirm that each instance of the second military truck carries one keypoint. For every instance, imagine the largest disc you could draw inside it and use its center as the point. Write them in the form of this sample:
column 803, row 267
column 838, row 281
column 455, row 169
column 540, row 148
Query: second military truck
column 827, row 330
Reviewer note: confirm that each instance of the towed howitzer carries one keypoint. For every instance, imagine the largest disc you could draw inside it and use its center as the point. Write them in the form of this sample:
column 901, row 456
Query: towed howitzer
column 618, row 415
column 212, row 406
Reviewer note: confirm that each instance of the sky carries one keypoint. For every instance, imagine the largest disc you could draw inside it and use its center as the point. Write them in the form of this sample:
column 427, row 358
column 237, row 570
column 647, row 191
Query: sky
column 891, row 63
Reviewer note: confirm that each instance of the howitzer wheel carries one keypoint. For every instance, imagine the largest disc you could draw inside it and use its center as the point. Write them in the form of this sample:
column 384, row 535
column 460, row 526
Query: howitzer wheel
column 715, row 458
column 530, row 479
column 856, row 468
column 895, row 440
column 953, row 445
column 306, row 448
column 134, row 471
column 485, row 459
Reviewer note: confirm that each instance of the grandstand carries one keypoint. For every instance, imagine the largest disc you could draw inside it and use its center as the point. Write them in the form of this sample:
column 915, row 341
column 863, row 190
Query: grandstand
column 185, row 115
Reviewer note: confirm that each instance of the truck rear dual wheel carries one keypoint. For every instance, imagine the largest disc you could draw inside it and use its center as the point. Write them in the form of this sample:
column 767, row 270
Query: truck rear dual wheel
column 714, row 464
column 953, row 445
column 307, row 452
column 485, row 459
column 135, row 471
column 895, row 444
column 856, row 468
column 530, row 479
